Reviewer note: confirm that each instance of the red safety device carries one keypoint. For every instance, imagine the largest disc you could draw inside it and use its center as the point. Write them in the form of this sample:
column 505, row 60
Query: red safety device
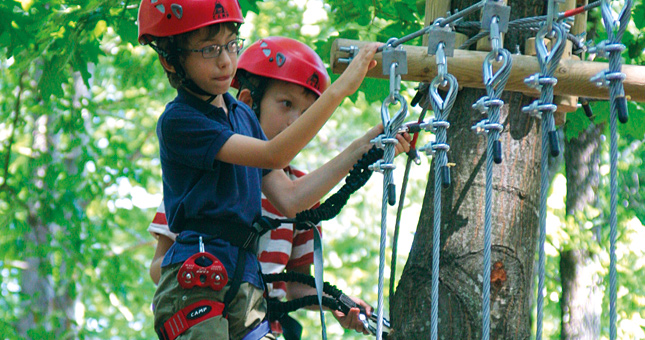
column 285, row 59
column 192, row 274
column 164, row 18
column 188, row 317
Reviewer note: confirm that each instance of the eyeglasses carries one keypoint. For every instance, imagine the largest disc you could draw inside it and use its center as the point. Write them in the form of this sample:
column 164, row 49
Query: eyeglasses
column 213, row 51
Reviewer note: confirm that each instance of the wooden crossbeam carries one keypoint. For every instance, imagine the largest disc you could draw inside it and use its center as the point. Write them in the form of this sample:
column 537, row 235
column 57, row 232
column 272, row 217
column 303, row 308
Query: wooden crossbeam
column 573, row 75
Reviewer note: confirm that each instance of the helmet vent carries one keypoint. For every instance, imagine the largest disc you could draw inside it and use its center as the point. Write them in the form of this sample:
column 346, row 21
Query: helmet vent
column 160, row 8
column 280, row 59
column 177, row 10
column 266, row 51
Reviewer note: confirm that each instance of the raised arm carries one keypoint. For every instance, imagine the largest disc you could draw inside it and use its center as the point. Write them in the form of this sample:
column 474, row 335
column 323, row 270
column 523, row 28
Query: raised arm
column 293, row 196
column 279, row 151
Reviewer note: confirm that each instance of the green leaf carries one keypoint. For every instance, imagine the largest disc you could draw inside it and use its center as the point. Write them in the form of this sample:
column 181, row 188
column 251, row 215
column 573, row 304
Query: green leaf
column 405, row 11
column 53, row 77
column 249, row 5
column 638, row 15
column 577, row 122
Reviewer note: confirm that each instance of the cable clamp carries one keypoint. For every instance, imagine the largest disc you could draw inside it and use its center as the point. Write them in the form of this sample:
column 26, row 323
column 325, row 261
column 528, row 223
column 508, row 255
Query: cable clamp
column 432, row 147
column 485, row 126
column 351, row 50
column 536, row 108
column 484, row 103
column 604, row 48
column 381, row 166
column 440, row 147
column 381, row 141
column 427, row 149
column 536, row 81
column 603, row 78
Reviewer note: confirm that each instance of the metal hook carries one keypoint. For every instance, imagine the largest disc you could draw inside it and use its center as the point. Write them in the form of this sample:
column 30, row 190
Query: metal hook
column 395, row 80
column 495, row 37
column 442, row 64
column 550, row 14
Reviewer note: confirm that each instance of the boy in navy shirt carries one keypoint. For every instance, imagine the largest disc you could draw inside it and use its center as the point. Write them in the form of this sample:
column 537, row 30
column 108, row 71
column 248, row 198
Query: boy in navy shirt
column 216, row 161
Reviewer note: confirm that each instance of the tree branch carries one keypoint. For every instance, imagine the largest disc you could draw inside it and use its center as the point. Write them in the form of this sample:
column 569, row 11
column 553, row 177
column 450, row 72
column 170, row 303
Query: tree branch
column 16, row 108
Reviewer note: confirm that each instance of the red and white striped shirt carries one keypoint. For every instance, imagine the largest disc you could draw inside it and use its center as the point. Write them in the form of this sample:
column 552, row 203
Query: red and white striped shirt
column 280, row 249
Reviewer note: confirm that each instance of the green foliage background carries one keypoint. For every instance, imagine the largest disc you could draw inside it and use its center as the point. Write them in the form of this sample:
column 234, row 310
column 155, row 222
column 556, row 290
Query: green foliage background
column 80, row 176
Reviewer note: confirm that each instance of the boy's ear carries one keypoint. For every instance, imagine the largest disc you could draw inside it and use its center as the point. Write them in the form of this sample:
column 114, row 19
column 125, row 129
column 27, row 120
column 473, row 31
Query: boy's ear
column 244, row 95
column 166, row 65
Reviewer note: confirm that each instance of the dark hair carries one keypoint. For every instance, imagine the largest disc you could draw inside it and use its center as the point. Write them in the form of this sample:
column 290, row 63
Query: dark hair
column 171, row 44
column 257, row 85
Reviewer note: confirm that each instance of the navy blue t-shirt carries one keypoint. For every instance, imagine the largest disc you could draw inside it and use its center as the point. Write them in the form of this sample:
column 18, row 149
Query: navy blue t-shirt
column 198, row 187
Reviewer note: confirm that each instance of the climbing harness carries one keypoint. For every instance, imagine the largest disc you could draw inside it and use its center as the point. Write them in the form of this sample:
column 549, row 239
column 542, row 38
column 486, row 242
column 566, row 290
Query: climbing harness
column 544, row 108
column 202, row 270
column 495, row 17
column 613, row 79
column 205, row 270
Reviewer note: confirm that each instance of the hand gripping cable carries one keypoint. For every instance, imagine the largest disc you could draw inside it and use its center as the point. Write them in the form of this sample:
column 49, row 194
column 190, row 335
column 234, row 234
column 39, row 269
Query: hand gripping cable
column 336, row 300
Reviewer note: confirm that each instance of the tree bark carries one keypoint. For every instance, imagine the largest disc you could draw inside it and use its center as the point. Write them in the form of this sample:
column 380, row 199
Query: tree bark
column 514, row 223
column 581, row 302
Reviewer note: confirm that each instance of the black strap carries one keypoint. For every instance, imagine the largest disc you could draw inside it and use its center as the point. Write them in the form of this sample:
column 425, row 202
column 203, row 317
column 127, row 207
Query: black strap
column 291, row 328
column 238, row 235
column 237, row 280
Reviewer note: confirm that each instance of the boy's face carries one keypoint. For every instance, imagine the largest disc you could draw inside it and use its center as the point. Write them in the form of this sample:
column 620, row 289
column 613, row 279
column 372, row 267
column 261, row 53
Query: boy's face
column 281, row 105
column 214, row 75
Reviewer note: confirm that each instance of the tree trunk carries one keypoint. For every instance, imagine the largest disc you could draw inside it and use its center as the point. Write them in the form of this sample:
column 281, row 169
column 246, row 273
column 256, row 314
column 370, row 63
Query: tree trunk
column 514, row 223
column 581, row 302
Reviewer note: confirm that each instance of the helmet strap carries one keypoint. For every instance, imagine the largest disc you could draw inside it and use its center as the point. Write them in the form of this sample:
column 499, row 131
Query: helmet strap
column 189, row 84
column 256, row 88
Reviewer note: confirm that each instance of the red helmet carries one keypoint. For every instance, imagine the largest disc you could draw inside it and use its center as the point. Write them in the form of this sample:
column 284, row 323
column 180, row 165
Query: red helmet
column 285, row 59
column 163, row 18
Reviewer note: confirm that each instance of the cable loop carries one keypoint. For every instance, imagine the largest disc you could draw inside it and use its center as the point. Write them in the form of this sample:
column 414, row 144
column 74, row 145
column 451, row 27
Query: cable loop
column 550, row 59
column 497, row 80
column 438, row 102
column 385, row 112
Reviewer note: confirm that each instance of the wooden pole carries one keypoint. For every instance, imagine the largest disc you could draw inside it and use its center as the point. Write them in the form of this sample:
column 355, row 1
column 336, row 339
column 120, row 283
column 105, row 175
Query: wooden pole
column 573, row 75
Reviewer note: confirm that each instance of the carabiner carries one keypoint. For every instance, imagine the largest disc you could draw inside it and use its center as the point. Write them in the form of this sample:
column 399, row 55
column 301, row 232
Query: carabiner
column 442, row 64
column 495, row 36
column 395, row 80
